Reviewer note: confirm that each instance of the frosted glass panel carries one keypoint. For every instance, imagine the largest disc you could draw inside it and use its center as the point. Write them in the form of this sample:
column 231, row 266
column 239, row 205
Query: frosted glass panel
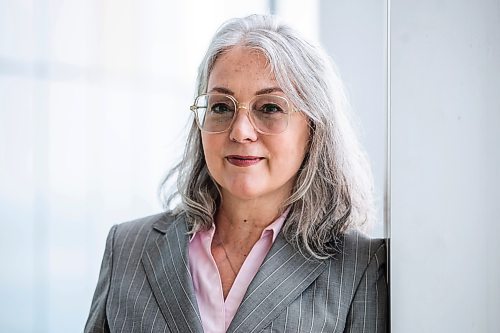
column 354, row 33
column 94, row 100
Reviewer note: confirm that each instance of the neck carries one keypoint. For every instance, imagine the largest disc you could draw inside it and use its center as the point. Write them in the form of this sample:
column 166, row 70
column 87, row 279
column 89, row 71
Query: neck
column 240, row 222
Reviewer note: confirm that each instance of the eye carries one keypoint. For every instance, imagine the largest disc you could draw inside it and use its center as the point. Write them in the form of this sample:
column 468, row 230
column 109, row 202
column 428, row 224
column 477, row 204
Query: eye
column 221, row 108
column 271, row 108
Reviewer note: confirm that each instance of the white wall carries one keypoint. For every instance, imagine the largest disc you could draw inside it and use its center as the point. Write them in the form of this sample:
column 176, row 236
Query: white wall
column 445, row 166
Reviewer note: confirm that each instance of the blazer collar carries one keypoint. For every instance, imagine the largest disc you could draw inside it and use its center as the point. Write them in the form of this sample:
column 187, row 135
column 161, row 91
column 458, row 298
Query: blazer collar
column 167, row 270
column 283, row 276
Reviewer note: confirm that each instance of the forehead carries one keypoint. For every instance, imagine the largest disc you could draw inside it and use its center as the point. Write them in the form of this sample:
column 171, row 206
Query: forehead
column 243, row 56
column 241, row 66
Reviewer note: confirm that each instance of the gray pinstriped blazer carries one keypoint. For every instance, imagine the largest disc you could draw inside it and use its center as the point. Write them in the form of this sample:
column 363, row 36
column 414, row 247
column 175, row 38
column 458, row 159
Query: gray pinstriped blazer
column 145, row 285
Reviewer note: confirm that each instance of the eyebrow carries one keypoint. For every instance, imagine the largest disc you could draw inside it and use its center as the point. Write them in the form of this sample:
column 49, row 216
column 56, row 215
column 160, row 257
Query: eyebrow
column 221, row 90
column 268, row 90
column 226, row 91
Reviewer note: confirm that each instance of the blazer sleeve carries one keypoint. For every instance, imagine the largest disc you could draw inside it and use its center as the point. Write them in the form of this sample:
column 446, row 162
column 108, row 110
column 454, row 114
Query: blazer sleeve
column 368, row 311
column 97, row 320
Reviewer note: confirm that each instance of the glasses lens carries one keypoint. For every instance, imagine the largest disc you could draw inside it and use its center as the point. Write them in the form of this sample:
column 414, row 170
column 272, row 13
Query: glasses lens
column 270, row 113
column 214, row 112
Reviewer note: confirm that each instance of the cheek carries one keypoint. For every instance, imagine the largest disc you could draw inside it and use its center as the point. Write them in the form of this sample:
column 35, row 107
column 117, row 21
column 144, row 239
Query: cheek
column 211, row 144
column 288, row 157
column 298, row 151
column 303, row 140
column 205, row 143
column 298, row 140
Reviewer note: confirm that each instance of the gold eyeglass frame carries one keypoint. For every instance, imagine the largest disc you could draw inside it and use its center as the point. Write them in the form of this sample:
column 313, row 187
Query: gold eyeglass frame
column 194, row 108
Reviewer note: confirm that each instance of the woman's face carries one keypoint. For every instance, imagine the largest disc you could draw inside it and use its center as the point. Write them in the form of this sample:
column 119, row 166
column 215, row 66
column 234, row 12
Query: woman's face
column 246, row 164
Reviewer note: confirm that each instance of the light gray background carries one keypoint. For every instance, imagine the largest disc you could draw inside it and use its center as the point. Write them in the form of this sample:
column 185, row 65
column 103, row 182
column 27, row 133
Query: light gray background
column 445, row 81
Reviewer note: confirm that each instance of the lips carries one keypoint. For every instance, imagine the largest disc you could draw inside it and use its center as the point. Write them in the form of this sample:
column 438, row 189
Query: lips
column 243, row 161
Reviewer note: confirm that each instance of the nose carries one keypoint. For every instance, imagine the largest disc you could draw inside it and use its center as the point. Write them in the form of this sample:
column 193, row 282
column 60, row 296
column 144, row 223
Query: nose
column 242, row 129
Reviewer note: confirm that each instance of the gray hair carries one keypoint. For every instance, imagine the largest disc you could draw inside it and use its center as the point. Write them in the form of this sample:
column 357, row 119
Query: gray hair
column 333, row 191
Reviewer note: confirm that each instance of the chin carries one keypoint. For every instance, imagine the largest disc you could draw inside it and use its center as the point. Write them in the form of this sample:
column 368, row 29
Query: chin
column 243, row 191
column 245, row 194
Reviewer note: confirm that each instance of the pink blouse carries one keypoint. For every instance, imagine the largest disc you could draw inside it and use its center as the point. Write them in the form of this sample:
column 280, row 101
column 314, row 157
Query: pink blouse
column 217, row 314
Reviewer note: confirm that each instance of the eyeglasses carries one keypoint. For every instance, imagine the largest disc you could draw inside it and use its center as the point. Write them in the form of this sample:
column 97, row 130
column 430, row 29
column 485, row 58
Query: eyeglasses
column 215, row 113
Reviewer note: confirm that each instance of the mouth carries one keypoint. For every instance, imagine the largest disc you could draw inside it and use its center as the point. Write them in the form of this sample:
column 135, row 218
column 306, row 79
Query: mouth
column 243, row 161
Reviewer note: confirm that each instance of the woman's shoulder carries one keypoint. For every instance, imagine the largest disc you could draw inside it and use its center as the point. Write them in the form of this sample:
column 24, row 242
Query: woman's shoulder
column 145, row 228
column 358, row 248
column 357, row 239
column 147, row 221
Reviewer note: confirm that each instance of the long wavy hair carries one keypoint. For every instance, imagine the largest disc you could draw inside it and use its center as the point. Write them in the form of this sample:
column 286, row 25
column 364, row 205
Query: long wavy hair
column 333, row 191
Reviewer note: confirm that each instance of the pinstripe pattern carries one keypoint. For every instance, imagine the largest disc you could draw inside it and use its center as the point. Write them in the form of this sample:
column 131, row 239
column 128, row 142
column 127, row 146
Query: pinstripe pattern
column 145, row 285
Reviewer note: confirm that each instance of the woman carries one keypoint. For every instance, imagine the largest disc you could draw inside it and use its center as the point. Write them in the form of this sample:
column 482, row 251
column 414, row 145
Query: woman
column 274, row 188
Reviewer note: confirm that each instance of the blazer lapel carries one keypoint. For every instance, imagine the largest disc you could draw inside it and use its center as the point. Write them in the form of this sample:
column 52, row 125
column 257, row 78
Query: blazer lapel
column 167, row 270
column 283, row 276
